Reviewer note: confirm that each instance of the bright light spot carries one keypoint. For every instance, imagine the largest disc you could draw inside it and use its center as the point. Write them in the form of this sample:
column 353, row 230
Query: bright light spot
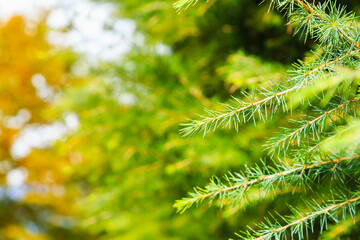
column 36, row 136
column 38, row 80
column 59, row 18
column 162, row 49
column 24, row 114
column 127, row 99
column 93, row 31
column 43, row 90
column 90, row 36
column 29, row 8
column 16, row 177
column 15, row 180
column 18, row 121
column 72, row 121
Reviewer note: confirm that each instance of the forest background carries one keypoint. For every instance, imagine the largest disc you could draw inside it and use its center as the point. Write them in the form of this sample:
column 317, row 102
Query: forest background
column 113, row 162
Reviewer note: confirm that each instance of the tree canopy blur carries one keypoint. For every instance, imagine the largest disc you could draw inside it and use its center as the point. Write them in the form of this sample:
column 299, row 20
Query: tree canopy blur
column 118, row 174
column 33, row 74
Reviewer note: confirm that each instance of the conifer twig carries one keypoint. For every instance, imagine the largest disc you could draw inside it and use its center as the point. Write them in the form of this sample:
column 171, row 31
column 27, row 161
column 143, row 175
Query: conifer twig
column 337, row 35
column 225, row 118
column 253, row 177
column 303, row 222
column 282, row 141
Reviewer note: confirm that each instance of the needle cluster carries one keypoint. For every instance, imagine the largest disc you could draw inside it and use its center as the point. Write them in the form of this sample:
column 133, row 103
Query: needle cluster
column 327, row 84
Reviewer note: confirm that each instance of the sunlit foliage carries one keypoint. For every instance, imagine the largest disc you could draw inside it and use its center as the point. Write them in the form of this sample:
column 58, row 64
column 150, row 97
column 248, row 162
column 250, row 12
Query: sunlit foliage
column 32, row 74
column 314, row 151
column 117, row 175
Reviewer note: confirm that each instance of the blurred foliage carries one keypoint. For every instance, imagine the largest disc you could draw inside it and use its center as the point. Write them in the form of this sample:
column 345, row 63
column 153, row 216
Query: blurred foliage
column 135, row 164
column 126, row 165
column 29, row 65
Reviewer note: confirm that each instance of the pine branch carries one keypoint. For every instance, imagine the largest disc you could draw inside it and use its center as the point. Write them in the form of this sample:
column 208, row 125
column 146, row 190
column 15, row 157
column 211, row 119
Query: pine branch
column 235, row 115
column 329, row 79
column 275, row 98
column 299, row 226
column 327, row 28
column 293, row 136
column 313, row 150
column 348, row 140
column 326, row 64
column 336, row 22
column 337, row 230
column 305, row 6
column 265, row 177
column 182, row 5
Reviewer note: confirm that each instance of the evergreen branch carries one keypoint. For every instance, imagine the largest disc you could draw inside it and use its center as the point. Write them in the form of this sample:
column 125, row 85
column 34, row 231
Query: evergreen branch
column 336, row 231
column 231, row 116
column 266, row 177
column 332, row 75
column 307, row 7
column 282, row 141
column 234, row 115
column 319, row 144
column 349, row 140
column 337, row 23
column 322, row 66
column 328, row 28
column 282, row 4
column 182, row 5
column 298, row 225
column 329, row 23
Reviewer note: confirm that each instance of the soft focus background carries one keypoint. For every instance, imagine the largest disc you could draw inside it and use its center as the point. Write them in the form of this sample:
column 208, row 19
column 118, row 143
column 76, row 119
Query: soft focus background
column 91, row 97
